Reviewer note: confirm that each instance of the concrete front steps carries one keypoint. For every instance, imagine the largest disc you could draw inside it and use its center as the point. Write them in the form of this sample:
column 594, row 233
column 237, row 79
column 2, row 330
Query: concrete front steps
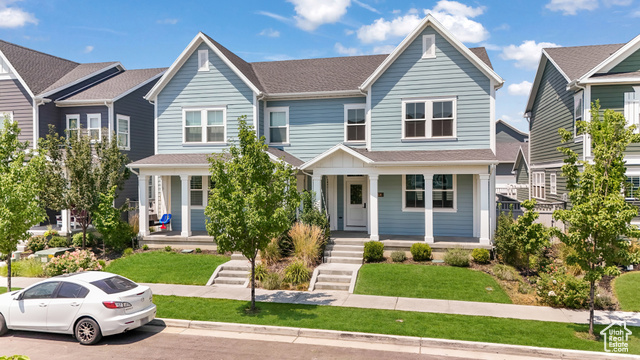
column 233, row 273
column 344, row 251
column 336, row 277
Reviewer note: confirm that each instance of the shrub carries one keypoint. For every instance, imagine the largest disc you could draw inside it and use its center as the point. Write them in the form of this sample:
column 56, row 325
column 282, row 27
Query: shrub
column 457, row 257
column 120, row 237
column 505, row 240
column 134, row 223
column 505, row 272
column 168, row 248
column 71, row 262
column 36, row 243
column 58, row 241
column 373, row 251
column 198, row 251
column 398, row 256
column 307, row 242
column 604, row 301
column 50, row 233
column 481, row 256
column 272, row 281
column 559, row 289
column 102, row 263
column 524, row 288
column 271, row 254
column 28, row 268
column 145, row 247
column 296, row 273
column 420, row 252
column 127, row 252
column 261, row 271
column 90, row 240
column 286, row 244
column 634, row 252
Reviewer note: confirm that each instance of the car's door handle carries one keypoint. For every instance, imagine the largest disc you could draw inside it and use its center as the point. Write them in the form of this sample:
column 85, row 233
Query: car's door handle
column 43, row 305
column 75, row 304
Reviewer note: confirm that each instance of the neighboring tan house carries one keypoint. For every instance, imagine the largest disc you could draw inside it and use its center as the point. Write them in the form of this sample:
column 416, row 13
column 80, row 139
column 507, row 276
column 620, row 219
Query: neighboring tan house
column 509, row 140
column 399, row 145
column 567, row 81
column 38, row 90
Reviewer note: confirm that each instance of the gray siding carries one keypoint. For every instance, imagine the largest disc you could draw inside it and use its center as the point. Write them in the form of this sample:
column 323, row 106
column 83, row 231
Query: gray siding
column 552, row 110
column 219, row 86
column 522, row 178
column 392, row 220
column 315, row 125
column 504, row 169
column 449, row 74
column 14, row 97
column 507, row 134
column 631, row 63
column 612, row 97
column 83, row 111
column 198, row 220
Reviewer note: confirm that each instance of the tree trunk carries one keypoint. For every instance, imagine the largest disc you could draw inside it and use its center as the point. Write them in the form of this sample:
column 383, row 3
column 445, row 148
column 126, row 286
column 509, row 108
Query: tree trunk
column 591, row 306
column 9, row 273
column 84, row 234
column 253, row 284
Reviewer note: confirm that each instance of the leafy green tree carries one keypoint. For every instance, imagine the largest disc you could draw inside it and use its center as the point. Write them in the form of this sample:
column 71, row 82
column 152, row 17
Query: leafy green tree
column 599, row 218
column 530, row 236
column 252, row 200
column 116, row 233
column 82, row 169
column 20, row 184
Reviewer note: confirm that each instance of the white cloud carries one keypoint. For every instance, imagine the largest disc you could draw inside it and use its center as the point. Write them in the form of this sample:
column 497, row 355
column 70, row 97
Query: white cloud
column 167, row 21
column 275, row 16
column 366, row 6
column 88, row 49
column 636, row 14
column 521, row 89
column 465, row 29
column 350, row 51
column 310, row 14
column 503, row 27
column 349, row 32
column 269, row 32
column 491, row 47
column 571, row 7
column 383, row 49
column 516, row 119
column 14, row 17
column 527, row 54
column 382, row 29
column 617, row 2
column 458, row 9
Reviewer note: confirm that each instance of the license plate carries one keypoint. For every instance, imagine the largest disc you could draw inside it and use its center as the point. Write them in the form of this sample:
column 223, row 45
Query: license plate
column 144, row 320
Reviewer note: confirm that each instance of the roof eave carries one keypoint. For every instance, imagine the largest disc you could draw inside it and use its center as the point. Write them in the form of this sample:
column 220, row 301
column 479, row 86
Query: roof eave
column 88, row 102
column 610, row 62
column 314, row 94
column 75, row 82
column 436, row 163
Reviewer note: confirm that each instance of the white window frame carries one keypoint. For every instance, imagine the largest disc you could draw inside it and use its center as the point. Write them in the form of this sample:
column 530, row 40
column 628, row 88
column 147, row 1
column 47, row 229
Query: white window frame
column 151, row 188
column 348, row 107
column 203, row 60
column 632, row 109
column 579, row 96
column 454, row 190
column 428, row 114
column 128, row 133
column 204, row 190
column 553, row 186
column 268, row 112
column 629, row 181
column 429, row 52
column 97, row 116
column 203, row 125
column 538, row 187
column 2, row 115
column 78, row 129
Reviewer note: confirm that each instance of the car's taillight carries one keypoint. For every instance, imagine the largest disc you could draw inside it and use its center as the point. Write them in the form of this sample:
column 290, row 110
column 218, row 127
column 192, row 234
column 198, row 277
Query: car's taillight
column 116, row 304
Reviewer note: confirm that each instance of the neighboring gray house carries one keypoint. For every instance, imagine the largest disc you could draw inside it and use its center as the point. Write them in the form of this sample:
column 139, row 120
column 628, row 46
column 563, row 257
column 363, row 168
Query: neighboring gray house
column 394, row 146
column 509, row 140
column 38, row 90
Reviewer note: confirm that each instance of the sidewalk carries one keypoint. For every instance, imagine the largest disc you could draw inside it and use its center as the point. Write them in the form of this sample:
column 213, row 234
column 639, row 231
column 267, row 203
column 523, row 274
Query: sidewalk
column 340, row 298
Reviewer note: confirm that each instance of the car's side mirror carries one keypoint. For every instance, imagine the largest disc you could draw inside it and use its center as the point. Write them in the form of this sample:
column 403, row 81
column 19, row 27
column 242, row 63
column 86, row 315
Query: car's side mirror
column 18, row 296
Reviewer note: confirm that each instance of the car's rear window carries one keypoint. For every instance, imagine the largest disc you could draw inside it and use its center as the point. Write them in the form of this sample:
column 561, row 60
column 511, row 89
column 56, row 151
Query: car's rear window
column 114, row 285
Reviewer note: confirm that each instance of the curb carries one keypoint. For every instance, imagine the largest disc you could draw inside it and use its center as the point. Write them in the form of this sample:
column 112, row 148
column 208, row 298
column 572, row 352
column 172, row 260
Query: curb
column 391, row 339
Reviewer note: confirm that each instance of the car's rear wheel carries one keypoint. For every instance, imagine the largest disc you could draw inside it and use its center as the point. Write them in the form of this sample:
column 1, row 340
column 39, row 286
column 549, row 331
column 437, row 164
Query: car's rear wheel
column 87, row 331
column 3, row 326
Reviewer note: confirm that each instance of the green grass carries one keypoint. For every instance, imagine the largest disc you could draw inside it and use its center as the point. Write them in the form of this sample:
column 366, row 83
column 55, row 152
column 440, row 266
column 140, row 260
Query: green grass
column 4, row 289
column 429, row 282
column 626, row 289
column 445, row 326
column 26, row 268
column 167, row 267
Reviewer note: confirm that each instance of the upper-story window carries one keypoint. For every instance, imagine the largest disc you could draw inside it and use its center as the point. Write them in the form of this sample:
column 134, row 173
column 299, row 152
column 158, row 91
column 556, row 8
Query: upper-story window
column 578, row 111
column 203, row 60
column 429, row 118
column 355, row 123
column 124, row 136
column 553, row 186
column 428, row 46
column 632, row 109
column 73, row 125
column 93, row 126
column 204, row 125
column 278, row 118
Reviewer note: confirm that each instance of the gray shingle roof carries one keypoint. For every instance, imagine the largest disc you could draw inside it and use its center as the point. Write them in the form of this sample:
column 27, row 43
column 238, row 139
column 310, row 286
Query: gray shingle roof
column 575, row 61
column 288, row 158
column 116, row 85
column 78, row 72
column 202, row 159
column 429, row 155
column 507, row 151
column 482, row 54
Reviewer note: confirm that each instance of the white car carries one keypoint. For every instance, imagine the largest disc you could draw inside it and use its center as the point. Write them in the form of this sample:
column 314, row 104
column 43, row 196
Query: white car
column 87, row 305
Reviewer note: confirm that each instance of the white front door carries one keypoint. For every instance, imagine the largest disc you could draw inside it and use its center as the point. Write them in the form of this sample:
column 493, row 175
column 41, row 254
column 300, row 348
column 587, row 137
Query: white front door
column 356, row 202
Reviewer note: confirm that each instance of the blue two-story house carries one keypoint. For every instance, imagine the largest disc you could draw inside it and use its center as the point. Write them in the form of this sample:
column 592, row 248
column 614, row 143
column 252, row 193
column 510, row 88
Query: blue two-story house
column 393, row 145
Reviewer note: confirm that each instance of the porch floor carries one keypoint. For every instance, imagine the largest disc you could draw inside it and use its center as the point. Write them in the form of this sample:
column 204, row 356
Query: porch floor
column 160, row 239
column 404, row 242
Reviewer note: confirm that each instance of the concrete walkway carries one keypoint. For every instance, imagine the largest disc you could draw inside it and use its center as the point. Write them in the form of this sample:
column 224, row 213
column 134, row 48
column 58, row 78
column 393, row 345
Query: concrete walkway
column 341, row 298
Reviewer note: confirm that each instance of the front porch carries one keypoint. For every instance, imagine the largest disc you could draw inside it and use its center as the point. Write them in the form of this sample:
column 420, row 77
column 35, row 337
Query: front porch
column 161, row 239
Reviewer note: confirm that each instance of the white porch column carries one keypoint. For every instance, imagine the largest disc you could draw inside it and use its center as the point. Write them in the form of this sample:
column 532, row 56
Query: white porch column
column 428, row 208
column 143, row 205
column 373, row 206
column 485, row 221
column 66, row 222
column 186, row 211
column 317, row 189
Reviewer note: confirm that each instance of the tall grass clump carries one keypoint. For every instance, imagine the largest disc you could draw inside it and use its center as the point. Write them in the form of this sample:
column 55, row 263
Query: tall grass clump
column 307, row 242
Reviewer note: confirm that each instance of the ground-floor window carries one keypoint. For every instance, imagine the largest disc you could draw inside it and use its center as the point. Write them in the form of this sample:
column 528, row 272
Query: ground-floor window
column 537, row 185
column 196, row 192
column 443, row 192
column 632, row 190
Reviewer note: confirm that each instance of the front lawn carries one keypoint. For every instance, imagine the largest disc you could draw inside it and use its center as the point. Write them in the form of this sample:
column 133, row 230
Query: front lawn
column 429, row 282
column 4, row 289
column 626, row 289
column 167, row 267
column 444, row 326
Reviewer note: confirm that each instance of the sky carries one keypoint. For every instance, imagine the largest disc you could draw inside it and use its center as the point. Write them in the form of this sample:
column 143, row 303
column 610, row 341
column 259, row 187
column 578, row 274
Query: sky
column 146, row 34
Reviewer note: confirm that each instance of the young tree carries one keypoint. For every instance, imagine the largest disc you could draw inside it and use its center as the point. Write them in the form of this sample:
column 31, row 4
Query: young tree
column 252, row 200
column 82, row 169
column 530, row 236
column 599, row 217
column 20, row 184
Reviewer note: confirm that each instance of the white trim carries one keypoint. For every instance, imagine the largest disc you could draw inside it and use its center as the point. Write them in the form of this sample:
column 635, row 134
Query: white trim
column 255, row 116
column 578, row 96
column 557, row 164
column 430, row 51
column 13, row 71
column 492, row 117
column 128, row 133
column 538, row 179
column 454, row 190
column 95, row 116
column 362, row 180
column 515, row 164
column 331, row 151
column 586, row 115
column 313, row 95
column 110, row 120
column 428, row 117
column 155, row 127
column 78, row 81
column 203, row 124
column 612, row 81
column 36, row 125
column 368, row 117
column 553, row 186
column 632, row 109
column 154, row 77
column 614, row 59
column 203, row 60
column 430, row 20
column 204, row 190
column 267, row 114
column 332, row 189
column 78, row 129
column 348, row 107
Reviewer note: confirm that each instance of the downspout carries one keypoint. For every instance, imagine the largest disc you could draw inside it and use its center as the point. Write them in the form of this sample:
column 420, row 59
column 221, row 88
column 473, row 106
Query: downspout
column 109, row 105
